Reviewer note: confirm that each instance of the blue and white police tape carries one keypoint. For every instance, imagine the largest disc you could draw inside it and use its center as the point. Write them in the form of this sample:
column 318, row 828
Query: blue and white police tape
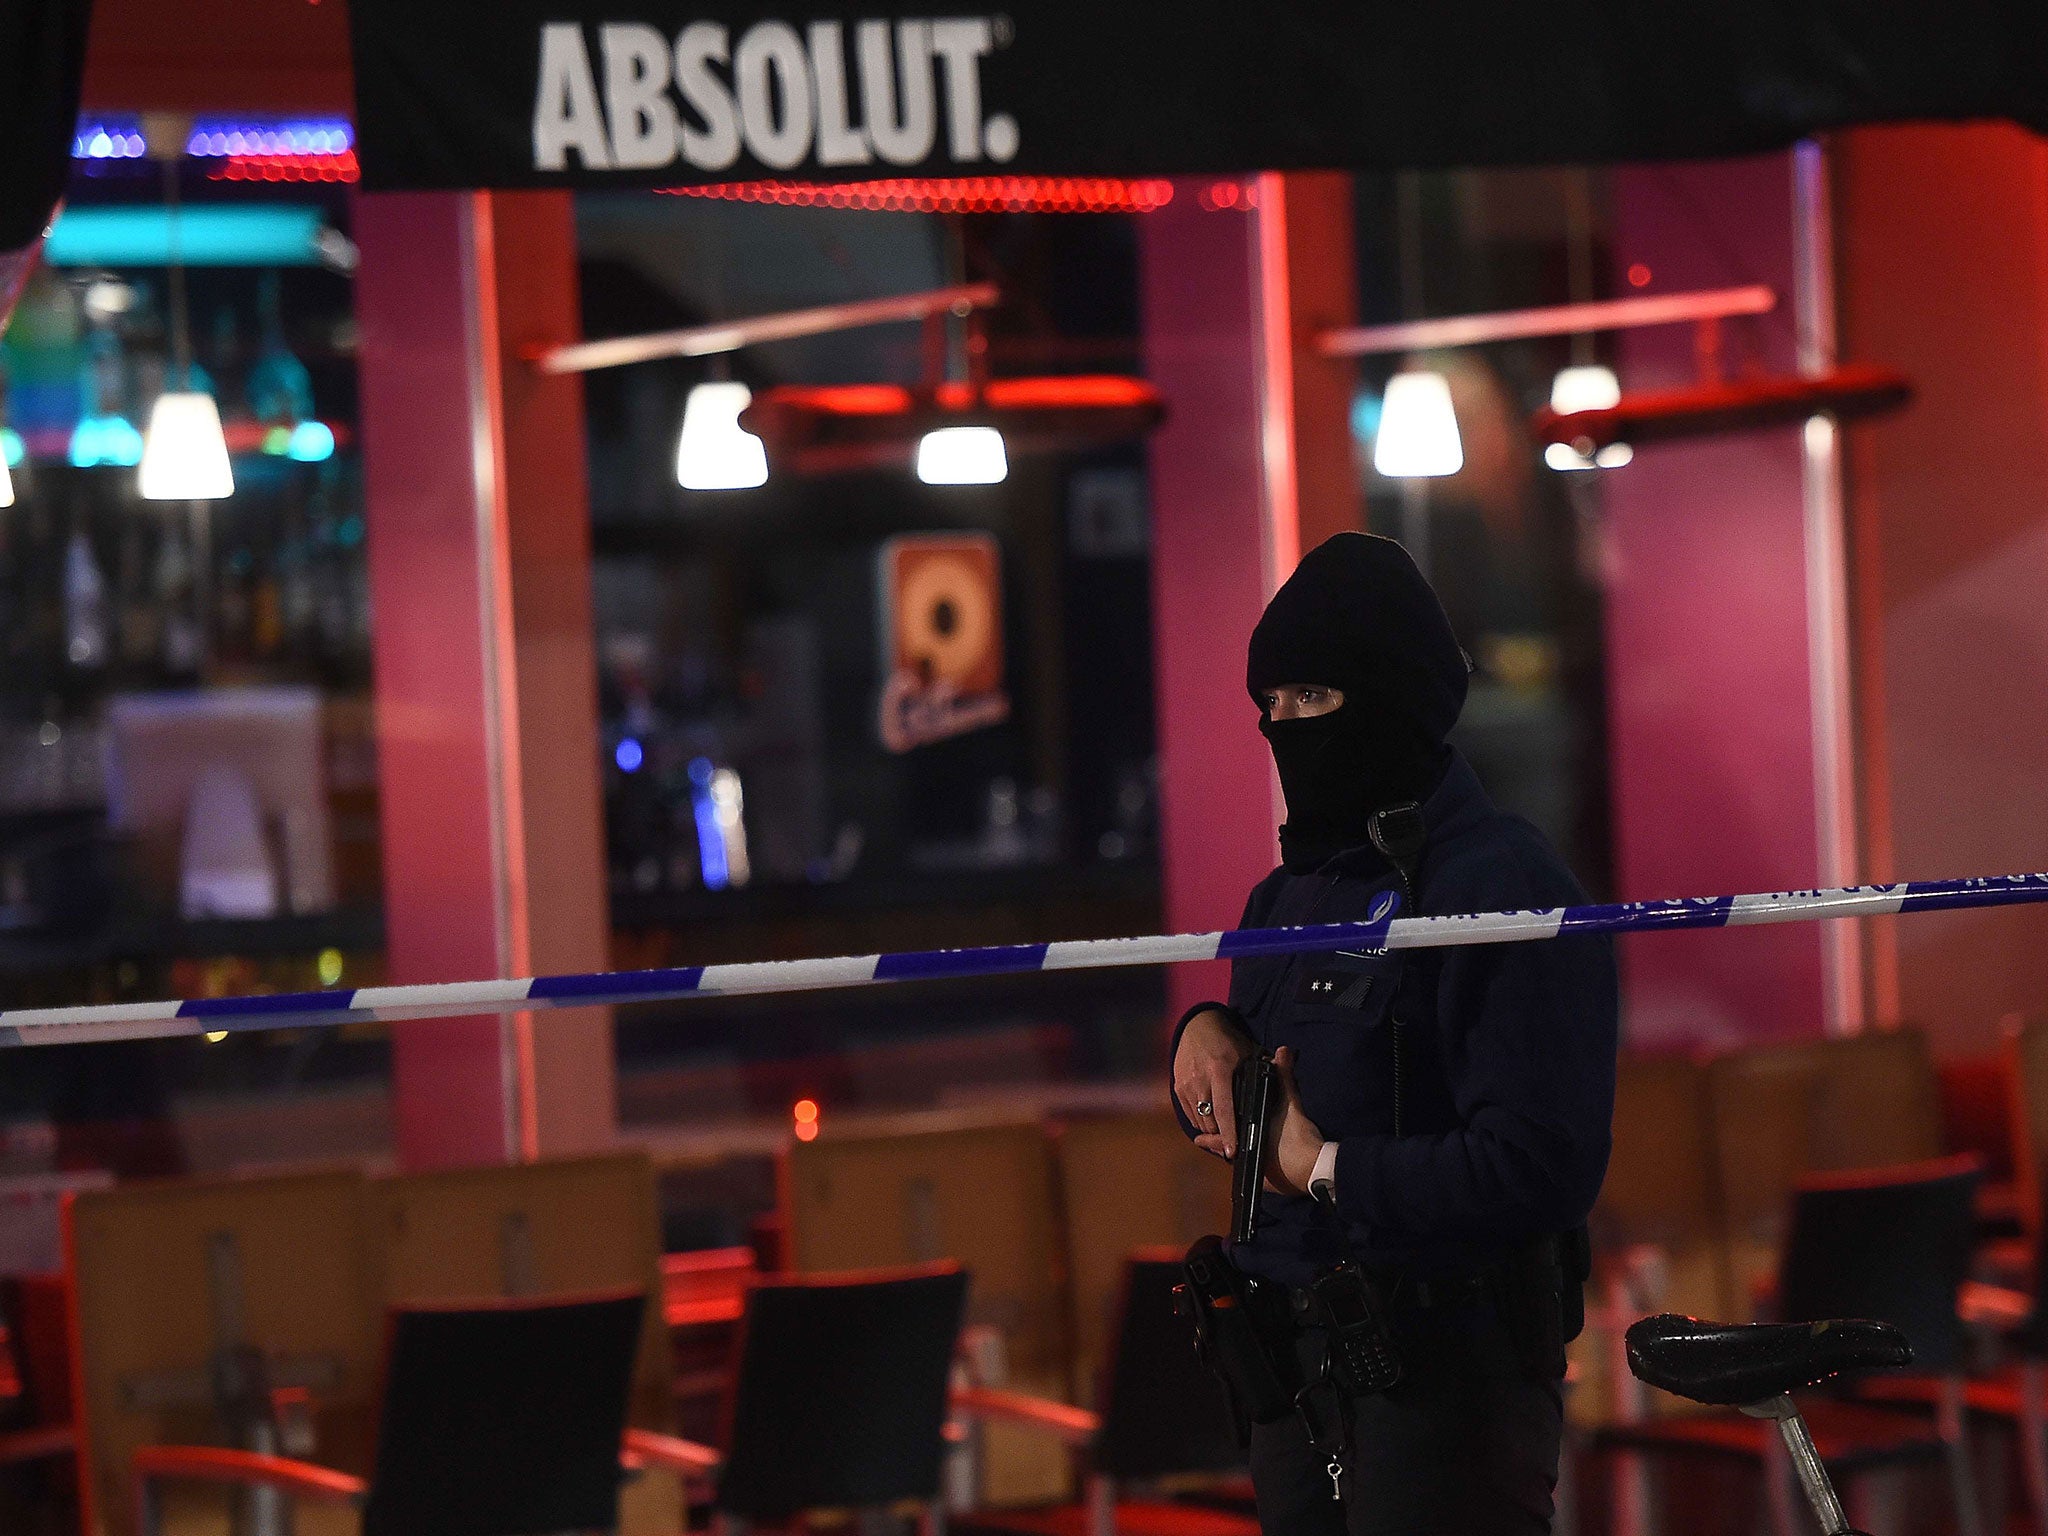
column 451, row 999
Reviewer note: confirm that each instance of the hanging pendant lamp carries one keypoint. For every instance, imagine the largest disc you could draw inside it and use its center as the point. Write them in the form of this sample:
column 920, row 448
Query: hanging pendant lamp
column 1418, row 436
column 715, row 453
column 184, row 452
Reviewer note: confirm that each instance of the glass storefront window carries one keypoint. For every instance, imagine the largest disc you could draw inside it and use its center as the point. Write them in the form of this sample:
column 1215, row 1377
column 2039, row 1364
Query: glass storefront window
column 188, row 801
column 760, row 800
column 1511, row 542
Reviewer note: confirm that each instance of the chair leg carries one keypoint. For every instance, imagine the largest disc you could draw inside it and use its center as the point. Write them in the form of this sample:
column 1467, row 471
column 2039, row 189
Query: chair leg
column 1962, row 1476
column 1781, row 1496
column 1100, row 1492
column 1629, row 1471
column 1564, row 1519
column 2033, row 1432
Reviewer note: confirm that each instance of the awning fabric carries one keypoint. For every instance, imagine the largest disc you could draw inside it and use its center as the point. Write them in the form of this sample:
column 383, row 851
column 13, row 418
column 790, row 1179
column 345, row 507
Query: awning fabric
column 42, row 59
column 534, row 93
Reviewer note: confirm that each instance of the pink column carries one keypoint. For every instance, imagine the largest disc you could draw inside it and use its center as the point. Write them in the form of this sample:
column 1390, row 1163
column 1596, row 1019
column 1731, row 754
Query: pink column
column 1709, row 693
column 1253, row 457
column 1944, row 245
column 487, row 754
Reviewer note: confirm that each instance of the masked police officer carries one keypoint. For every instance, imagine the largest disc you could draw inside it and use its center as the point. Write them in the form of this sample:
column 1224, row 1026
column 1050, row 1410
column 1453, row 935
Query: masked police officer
column 1445, row 1112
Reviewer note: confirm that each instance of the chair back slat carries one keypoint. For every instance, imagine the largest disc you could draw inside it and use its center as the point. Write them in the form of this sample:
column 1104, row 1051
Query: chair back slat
column 503, row 1419
column 977, row 1192
column 839, row 1396
column 1891, row 1244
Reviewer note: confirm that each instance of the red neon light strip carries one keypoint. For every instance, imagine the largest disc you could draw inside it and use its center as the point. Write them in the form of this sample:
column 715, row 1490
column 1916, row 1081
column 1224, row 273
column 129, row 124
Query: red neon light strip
column 1069, row 392
column 341, row 167
column 973, row 194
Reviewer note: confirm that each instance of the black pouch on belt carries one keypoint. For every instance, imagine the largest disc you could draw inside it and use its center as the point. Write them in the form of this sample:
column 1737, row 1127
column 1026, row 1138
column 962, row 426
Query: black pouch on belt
column 1244, row 1332
column 1540, row 1292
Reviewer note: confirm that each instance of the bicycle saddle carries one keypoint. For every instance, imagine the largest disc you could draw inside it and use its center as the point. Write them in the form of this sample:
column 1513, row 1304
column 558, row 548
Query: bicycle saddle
column 1730, row 1365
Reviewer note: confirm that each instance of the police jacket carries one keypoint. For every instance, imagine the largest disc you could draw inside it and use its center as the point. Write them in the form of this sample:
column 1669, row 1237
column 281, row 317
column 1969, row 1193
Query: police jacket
column 1506, row 1055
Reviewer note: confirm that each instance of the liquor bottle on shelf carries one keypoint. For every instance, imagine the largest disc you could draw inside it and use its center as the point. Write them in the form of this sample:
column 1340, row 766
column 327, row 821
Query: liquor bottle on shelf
column 85, row 605
column 184, row 639
column 138, row 624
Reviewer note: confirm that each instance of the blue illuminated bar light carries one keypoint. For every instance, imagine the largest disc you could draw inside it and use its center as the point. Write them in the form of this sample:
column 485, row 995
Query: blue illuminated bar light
column 297, row 136
column 230, row 235
column 120, row 138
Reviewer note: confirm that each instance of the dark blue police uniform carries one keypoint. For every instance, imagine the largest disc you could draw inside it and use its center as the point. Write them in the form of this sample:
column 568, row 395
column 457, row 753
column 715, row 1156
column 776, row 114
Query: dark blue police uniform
column 1502, row 1058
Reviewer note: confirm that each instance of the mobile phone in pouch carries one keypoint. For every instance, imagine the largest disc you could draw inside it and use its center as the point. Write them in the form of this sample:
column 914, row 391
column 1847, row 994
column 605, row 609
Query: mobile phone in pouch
column 1253, row 1088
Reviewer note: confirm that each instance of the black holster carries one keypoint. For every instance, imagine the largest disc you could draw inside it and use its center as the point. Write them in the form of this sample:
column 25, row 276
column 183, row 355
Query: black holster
column 1244, row 1333
column 1540, row 1291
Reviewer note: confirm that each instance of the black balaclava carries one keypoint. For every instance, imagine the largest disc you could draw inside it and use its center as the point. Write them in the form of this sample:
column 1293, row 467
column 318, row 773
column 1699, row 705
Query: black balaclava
column 1356, row 615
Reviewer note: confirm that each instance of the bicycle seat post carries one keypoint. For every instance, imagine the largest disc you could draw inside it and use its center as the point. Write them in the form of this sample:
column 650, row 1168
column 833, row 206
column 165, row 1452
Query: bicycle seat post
column 1813, row 1477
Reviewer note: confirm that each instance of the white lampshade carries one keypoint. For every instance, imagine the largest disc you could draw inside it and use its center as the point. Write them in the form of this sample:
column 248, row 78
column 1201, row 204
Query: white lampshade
column 962, row 456
column 1565, row 456
column 1418, row 433
column 6, row 484
column 184, row 455
column 1584, row 387
column 715, row 453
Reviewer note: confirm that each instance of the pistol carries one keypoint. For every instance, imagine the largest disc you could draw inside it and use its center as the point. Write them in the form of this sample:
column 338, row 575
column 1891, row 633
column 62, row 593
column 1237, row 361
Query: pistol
column 1252, row 1085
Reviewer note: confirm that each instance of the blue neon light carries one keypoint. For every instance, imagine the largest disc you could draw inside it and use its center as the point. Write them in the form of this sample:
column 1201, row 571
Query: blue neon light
column 217, row 235
column 1365, row 417
column 310, row 442
column 710, row 837
column 105, row 440
column 108, row 141
column 120, row 138
column 629, row 755
column 12, row 449
column 214, row 138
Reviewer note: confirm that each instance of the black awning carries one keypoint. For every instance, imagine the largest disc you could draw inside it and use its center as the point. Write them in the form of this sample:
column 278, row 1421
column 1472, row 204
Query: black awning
column 42, row 59
column 535, row 93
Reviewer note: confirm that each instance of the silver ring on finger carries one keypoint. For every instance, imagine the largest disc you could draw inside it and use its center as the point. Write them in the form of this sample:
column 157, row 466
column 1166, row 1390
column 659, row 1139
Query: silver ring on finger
column 1204, row 1108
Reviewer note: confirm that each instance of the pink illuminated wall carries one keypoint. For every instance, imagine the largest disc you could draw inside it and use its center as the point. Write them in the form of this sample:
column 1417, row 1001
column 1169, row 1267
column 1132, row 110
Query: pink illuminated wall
column 479, row 554
column 1199, row 280
column 1944, row 273
column 1709, row 692
column 1237, row 279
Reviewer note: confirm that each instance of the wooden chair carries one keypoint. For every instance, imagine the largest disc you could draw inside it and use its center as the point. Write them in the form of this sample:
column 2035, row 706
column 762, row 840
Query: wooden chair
column 1162, row 1418
column 838, row 1400
column 2026, row 1056
column 37, row 1429
column 947, row 1188
column 495, row 1419
column 1780, row 1111
column 1761, row 1102
column 1889, row 1244
column 1878, row 1101
column 563, row 1227
column 236, row 1312
column 1125, row 1182
column 1658, row 1244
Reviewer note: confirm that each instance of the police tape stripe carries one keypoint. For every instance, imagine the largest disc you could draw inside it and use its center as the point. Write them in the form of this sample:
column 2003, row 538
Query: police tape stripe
column 197, row 1016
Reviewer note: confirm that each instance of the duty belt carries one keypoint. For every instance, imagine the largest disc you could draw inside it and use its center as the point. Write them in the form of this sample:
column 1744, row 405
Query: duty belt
column 1400, row 1291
